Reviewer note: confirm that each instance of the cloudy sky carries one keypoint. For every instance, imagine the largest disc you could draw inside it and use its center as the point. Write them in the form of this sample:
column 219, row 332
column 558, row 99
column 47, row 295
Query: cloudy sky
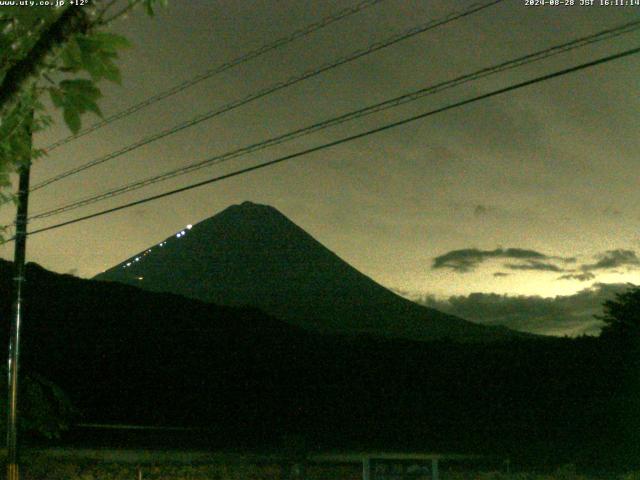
column 532, row 194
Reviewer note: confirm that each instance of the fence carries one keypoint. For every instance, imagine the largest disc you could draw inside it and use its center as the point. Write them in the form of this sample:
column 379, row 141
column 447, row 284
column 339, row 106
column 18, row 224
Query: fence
column 113, row 464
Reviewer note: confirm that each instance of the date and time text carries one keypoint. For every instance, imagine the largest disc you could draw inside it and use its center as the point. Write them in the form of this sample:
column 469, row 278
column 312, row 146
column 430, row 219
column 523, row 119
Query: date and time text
column 581, row 3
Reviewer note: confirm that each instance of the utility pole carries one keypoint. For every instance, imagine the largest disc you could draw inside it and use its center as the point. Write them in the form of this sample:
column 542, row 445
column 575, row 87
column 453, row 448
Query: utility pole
column 18, row 284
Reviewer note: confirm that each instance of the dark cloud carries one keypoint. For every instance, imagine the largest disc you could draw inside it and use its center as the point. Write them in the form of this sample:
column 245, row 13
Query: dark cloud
column 534, row 265
column 571, row 315
column 583, row 277
column 613, row 259
column 468, row 259
column 521, row 253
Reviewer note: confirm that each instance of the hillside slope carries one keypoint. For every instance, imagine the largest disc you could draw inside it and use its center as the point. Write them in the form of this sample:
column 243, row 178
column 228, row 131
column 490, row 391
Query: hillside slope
column 126, row 355
column 252, row 255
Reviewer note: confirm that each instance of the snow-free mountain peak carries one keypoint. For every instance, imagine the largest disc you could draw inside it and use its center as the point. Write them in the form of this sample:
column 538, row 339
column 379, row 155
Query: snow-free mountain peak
column 253, row 255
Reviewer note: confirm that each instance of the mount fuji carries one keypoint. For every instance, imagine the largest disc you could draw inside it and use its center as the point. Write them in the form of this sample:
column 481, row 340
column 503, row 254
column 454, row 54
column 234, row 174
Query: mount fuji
column 253, row 255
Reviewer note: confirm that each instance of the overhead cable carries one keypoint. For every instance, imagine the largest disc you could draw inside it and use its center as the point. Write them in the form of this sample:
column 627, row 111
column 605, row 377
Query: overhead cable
column 269, row 90
column 394, row 102
column 280, row 42
column 343, row 140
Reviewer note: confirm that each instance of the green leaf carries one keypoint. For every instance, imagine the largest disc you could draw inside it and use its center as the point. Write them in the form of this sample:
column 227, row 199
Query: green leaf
column 148, row 6
column 76, row 97
column 38, row 153
column 97, row 53
column 41, row 121
column 93, row 107
column 57, row 97
column 72, row 119
column 71, row 56
column 80, row 85
column 112, row 73
column 111, row 41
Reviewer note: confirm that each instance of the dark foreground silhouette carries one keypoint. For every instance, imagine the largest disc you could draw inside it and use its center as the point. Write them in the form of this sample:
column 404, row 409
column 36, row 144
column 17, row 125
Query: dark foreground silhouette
column 248, row 380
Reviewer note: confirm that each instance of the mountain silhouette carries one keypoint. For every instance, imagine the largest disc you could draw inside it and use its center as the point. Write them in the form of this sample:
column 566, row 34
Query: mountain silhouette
column 124, row 355
column 253, row 255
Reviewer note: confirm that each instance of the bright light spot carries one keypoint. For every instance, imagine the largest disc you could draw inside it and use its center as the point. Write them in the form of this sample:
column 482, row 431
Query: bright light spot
column 189, row 226
column 137, row 259
column 140, row 278
column 183, row 232
column 129, row 264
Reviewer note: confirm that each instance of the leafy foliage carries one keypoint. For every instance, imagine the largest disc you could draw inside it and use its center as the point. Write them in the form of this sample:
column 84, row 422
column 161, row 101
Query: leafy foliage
column 45, row 409
column 67, row 68
column 96, row 54
column 622, row 316
column 149, row 6
column 75, row 97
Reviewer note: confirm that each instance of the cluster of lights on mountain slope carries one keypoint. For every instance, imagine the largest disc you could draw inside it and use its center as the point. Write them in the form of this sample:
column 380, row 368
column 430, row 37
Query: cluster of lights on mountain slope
column 183, row 232
column 180, row 234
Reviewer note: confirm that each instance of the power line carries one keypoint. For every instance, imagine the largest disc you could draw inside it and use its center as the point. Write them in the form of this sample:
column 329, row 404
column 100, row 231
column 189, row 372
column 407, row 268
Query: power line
column 403, row 99
column 345, row 139
column 603, row 35
column 272, row 89
column 307, row 30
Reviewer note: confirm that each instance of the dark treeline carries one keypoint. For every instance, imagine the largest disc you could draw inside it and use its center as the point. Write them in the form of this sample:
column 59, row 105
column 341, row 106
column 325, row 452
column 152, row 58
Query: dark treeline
column 250, row 381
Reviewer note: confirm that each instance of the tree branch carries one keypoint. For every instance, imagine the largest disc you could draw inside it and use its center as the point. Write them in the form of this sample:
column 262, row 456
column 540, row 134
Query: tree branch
column 73, row 20
column 103, row 12
column 122, row 12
